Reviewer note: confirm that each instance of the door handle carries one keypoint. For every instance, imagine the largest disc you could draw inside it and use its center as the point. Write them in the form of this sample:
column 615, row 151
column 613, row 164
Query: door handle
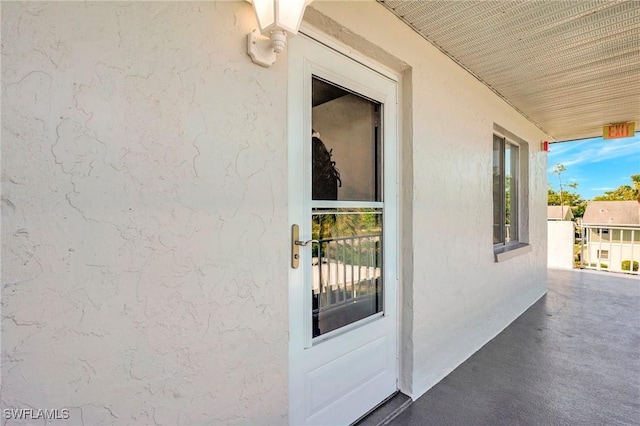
column 296, row 243
column 305, row 243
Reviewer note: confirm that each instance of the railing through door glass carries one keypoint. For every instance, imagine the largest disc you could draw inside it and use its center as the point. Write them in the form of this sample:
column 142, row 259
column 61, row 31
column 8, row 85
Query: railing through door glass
column 347, row 280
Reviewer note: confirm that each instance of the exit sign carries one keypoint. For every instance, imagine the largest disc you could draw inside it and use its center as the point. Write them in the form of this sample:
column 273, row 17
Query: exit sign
column 619, row 130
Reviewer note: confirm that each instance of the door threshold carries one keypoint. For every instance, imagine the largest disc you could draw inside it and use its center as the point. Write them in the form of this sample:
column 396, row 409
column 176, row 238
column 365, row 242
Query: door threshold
column 386, row 411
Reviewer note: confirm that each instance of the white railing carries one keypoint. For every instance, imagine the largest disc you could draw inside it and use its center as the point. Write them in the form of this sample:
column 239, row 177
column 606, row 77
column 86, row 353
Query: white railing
column 612, row 248
column 346, row 269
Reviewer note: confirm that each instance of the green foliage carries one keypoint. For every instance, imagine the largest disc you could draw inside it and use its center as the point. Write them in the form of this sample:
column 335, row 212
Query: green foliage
column 364, row 221
column 578, row 205
column 507, row 201
column 559, row 169
column 563, row 197
column 623, row 192
column 578, row 210
column 626, row 265
column 359, row 222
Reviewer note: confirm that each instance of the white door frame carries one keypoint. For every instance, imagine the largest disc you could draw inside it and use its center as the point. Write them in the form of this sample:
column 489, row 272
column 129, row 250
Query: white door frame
column 362, row 335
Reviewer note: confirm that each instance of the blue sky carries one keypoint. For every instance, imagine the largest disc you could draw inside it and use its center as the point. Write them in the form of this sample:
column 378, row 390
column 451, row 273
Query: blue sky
column 597, row 165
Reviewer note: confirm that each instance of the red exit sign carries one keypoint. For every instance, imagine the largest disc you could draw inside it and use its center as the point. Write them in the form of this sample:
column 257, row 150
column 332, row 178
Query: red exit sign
column 619, row 130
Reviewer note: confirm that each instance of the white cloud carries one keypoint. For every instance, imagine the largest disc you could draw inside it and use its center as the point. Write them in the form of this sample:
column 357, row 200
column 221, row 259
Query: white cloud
column 561, row 148
column 605, row 150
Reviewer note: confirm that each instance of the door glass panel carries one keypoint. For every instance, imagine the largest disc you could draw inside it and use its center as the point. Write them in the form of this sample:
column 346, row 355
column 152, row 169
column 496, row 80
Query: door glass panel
column 346, row 152
column 346, row 266
column 346, row 273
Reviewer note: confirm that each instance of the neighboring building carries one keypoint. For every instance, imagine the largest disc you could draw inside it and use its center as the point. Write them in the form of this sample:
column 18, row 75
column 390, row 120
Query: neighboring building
column 612, row 235
column 559, row 213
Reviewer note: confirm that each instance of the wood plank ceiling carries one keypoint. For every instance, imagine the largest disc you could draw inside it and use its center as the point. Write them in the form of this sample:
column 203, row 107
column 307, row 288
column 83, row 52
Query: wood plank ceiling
column 569, row 66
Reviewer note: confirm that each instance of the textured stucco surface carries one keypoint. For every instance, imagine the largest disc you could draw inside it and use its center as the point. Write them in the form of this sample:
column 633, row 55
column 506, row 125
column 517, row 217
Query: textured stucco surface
column 456, row 298
column 560, row 240
column 144, row 210
column 144, row 268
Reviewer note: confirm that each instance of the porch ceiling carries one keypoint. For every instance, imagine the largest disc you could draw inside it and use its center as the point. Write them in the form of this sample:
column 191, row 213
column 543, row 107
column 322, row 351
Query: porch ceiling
column 569, row 66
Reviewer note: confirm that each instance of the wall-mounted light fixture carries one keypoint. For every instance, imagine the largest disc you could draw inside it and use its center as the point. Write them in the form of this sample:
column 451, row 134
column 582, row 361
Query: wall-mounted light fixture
column 276, row 18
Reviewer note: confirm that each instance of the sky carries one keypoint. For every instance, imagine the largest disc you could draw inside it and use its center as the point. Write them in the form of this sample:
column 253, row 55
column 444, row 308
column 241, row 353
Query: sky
column 596, row 165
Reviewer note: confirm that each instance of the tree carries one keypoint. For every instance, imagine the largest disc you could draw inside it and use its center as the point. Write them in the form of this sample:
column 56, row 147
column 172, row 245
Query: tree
column 558, row 170
column 562, row 197
column 572, row 199
column 623, row 192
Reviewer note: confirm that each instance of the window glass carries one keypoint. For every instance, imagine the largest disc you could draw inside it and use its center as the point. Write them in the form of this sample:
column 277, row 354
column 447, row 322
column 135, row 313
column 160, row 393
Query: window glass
column 498, row 189
column 346, row 167
column 346, row 152
column 347, row 267
column 511, row 192
column 506, row 157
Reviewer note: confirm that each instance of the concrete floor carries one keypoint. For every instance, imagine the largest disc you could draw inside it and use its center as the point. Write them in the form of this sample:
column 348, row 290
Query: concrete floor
column 573, row 358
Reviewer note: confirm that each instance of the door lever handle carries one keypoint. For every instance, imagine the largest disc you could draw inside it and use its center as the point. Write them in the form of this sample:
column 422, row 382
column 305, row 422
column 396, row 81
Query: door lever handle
column 305, row 243
column 296, row 244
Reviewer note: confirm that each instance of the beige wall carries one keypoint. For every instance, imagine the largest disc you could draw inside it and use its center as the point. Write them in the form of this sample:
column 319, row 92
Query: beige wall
column 144, row 189
column 560, row 243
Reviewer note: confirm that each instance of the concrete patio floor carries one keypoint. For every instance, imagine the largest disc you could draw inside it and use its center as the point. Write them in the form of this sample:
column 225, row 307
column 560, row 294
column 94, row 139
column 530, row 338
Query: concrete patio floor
column 573, row 358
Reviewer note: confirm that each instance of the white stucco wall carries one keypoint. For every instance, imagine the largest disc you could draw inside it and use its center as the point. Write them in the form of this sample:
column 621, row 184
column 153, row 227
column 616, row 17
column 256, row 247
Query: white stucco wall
column 455, row 297
column 560, row 241
column 144, row 268
column 144, row 211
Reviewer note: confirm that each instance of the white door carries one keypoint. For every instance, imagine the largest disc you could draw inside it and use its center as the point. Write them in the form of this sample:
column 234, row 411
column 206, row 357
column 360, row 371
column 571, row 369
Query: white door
column 343, row 197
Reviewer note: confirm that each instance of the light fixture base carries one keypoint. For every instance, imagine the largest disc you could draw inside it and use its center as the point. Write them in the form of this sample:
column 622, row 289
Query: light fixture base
column 260, row 49
column 278, row 40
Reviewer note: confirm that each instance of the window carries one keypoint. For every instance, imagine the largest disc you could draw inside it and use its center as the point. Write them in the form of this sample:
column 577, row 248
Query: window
column 506, row 180
column 510, row 195
column 603, row 254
